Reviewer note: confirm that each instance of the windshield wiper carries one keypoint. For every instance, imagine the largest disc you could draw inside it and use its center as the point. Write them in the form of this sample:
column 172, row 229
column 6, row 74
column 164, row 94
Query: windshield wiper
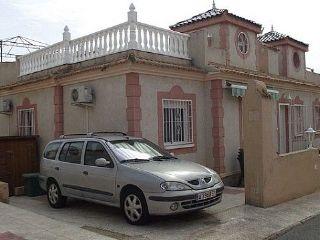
column 160, row 158
column 134, row 160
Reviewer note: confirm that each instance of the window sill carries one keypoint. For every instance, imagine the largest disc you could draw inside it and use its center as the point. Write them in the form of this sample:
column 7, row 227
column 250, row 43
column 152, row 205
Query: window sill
column 172, row 147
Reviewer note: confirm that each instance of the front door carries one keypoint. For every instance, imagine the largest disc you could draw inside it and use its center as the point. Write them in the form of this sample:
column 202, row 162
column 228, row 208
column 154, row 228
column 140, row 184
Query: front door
column 98, row 182
column 283, row 129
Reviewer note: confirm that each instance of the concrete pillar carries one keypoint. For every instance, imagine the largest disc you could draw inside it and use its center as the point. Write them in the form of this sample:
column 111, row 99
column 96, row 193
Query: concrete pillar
column 259, row 145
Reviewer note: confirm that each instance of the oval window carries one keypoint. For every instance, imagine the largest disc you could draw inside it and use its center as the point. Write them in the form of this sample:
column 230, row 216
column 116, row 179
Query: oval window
column 243, row 43
column 296, row 60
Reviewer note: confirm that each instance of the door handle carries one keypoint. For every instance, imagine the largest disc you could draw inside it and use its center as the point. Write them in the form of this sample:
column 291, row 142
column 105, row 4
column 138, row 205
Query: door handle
column 85, row 173
column 57, row 168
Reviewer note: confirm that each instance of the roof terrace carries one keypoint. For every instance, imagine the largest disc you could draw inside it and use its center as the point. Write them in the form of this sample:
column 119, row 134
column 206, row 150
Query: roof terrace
column 130, row 35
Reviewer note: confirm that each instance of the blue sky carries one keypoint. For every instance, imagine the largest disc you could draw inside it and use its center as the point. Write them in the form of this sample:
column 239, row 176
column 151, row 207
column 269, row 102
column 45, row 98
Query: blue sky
column 44, row 20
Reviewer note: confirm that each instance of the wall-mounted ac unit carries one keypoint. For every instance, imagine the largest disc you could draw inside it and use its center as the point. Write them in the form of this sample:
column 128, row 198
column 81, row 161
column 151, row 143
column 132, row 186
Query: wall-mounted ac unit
column 5, row 106
column 82, row 95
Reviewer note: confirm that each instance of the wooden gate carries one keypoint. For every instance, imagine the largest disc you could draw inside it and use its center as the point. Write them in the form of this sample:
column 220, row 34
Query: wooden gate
column 18, row 155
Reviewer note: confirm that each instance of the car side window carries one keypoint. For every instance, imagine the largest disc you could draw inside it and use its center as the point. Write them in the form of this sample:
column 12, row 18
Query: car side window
column 51, row 150
column 94, row 151
column 71, row 152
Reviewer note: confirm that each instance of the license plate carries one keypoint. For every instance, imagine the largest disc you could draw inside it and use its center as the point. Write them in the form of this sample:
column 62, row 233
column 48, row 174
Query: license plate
column 206, row 195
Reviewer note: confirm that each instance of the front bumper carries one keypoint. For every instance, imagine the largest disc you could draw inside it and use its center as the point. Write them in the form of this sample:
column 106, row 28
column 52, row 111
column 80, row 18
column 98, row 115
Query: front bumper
column 186, row 200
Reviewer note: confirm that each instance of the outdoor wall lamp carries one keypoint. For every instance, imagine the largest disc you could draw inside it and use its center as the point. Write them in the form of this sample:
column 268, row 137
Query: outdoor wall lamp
column 311, row 133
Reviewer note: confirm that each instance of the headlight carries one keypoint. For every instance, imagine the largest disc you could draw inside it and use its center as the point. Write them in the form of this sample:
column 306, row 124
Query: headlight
column 174, row 186
column 216, row 177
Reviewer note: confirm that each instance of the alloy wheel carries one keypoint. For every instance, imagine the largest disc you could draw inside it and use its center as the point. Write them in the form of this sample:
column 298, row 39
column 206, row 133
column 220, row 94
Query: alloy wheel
column 133, row 207
column 53, row 193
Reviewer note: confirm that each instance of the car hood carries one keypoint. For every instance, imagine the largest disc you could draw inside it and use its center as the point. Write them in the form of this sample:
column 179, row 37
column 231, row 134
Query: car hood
column 173, row 170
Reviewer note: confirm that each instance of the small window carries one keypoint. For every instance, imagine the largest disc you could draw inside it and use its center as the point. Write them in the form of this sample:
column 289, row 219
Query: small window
column 243, row 43
column 51, row 150
column 296, row 60
column 26, row 122
column 94, row 151
column 71, row 152
column 177, row 122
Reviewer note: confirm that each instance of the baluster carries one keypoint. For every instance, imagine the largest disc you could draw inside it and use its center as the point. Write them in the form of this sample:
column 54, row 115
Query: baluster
column 176, row 45
column 105, row 42
column 156, row 40
column 180, row 46
column 145, row 38
column 151, row 39
column 115, row 40
column 121, row 38
column 110, row 42
column 161, row 43
column 126, row 37
column 185, row 44
column 95, row 45
column 139, row 37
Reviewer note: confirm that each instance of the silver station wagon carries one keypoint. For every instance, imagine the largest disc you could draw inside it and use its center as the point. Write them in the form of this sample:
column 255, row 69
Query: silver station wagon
column 127, row 172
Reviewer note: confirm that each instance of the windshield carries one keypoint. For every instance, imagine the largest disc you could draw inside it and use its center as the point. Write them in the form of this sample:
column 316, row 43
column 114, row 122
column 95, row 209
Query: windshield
column 137, row 149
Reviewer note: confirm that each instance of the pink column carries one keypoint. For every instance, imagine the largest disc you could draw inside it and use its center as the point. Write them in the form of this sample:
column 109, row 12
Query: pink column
column 58, row 111
column 133, row 93
column 217, row 112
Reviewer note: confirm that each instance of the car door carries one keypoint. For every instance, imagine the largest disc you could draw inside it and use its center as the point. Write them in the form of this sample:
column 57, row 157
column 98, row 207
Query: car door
column 70, row 168
column 98, row 182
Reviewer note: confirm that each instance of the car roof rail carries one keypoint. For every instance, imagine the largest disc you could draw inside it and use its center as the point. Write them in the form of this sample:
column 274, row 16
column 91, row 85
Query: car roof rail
column 115, row 133
column 74, row 135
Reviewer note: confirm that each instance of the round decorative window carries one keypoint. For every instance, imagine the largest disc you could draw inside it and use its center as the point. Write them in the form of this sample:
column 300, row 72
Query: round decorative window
column 243, row 43
column 296, row 60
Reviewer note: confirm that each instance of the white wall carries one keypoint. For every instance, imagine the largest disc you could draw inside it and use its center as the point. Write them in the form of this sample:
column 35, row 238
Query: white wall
column 108, row 112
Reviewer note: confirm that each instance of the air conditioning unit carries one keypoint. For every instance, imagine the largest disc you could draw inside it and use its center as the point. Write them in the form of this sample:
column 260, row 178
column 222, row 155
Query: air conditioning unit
column 82, row 95
column 5, row 106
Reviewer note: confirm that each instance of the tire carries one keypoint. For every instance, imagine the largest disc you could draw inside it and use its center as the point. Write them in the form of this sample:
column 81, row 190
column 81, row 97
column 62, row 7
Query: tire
column 134, row 207
column 54, row 196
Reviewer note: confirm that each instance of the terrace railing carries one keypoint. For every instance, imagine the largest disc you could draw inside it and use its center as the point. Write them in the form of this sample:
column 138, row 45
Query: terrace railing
column 126, row 36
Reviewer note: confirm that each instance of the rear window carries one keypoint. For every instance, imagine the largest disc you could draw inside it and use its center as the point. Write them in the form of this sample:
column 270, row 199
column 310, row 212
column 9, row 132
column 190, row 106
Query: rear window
column 51, row 150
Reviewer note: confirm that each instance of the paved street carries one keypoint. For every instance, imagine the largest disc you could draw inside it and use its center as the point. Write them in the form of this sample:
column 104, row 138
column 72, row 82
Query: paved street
column 232, row 220
column 309, row 230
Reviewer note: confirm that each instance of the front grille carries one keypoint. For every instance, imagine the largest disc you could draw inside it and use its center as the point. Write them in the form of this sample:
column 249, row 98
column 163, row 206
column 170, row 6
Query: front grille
column 196, row 204
column 196, row 182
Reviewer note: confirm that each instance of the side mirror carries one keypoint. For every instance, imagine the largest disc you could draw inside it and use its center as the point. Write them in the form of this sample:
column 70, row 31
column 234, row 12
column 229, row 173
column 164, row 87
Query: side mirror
column 101, row 162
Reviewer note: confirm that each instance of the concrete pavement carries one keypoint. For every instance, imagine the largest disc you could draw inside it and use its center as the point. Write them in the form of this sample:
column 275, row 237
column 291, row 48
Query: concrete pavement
column 18, row 224
column 231, row 222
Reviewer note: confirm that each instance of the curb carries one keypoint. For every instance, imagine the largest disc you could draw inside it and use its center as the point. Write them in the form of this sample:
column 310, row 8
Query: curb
column 278, row 234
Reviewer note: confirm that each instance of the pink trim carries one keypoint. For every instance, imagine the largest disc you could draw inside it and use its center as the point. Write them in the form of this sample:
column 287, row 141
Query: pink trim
column 297, row 101
column 58, row 111
column 27, row 105
column 176, row 92
column 284, row 100
column 217, row 112
column 133, row 94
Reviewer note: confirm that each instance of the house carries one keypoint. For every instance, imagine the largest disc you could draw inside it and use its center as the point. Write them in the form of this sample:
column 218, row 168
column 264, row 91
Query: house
column 180, row 88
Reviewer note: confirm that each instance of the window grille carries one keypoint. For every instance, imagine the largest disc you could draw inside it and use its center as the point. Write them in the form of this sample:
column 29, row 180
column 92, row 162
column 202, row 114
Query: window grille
column 298, row 119
column 26, row 122
column 316, row 120
column 177, row 122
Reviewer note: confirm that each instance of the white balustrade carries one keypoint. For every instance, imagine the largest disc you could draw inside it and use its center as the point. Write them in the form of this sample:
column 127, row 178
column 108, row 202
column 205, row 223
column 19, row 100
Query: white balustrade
column 126, row 36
